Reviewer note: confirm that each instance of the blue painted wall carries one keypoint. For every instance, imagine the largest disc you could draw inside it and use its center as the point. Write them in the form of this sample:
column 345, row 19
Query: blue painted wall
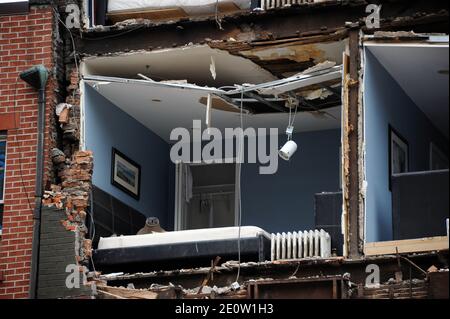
column 285, row 201
column 386, row 103
column 107, row 126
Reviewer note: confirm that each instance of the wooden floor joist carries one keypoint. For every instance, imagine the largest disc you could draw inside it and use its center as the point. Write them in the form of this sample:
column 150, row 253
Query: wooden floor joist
column 407, row 246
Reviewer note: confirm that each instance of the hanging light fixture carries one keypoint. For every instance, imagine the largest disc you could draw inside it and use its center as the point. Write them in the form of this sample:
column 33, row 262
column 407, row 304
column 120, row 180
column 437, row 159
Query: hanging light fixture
column 290, row 148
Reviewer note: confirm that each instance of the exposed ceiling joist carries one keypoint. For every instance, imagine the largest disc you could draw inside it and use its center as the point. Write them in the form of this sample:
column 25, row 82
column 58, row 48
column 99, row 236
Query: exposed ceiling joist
column 272, row 105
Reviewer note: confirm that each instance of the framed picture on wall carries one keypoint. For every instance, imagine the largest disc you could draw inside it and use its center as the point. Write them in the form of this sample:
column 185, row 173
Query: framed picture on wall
column 398, row 154
column 126, row 174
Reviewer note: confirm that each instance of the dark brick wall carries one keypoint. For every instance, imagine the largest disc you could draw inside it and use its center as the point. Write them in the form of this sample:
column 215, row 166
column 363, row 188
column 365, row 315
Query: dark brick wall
column 57, row 251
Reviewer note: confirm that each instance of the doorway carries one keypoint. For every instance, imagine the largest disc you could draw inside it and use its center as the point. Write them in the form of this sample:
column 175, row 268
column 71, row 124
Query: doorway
column 205, row 196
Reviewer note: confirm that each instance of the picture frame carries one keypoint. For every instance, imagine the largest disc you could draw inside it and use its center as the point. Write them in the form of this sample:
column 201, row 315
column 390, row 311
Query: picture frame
column 125, row 174
column 398, row 154
column 438, row 159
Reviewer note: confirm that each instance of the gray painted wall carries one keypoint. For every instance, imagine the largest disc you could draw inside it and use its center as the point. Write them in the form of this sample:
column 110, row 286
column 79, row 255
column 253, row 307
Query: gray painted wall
column 386, row 103
column 107, row 126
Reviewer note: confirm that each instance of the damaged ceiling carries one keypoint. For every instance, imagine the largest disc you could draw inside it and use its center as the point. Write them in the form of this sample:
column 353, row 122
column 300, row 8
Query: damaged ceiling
column 284, row 60
column 191, row 63
column 162, row 107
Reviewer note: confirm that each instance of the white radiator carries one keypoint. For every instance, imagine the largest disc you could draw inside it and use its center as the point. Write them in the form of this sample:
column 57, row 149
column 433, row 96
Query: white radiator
column 271, row 4
column 299, row 245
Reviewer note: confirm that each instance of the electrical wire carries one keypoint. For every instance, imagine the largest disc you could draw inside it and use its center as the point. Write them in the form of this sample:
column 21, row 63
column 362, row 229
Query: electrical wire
column 239, row 183
column 71, row 37
column 218, row 21
column 91, row 215
column 292, row 119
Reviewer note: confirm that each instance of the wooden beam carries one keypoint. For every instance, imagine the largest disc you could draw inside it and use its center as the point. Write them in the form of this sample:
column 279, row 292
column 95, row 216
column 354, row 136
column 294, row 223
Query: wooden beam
column 155, row 15
column 167, row 13
column 353, row 240
column 124, row 293
column 407, row 246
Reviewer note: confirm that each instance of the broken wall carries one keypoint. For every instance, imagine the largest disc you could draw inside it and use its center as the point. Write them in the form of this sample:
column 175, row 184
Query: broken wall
column 387, row 104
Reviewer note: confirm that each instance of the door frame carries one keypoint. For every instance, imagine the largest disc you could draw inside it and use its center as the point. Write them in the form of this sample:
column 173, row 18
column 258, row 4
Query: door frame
column 179, row 216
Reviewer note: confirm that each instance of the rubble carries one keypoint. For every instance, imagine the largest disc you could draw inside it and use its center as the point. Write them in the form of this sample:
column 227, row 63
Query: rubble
column 63, row 112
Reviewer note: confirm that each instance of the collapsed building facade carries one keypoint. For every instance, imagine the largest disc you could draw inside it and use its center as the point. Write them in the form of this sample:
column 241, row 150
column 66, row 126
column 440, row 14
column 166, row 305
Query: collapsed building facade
column 359, row 211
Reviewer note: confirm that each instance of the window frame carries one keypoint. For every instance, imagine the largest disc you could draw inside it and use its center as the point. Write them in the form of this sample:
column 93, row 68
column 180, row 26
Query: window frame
column 14, row 7
column 395, row 136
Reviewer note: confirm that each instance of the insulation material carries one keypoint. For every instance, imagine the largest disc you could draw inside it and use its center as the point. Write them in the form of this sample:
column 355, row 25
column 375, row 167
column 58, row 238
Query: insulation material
column 191, row 7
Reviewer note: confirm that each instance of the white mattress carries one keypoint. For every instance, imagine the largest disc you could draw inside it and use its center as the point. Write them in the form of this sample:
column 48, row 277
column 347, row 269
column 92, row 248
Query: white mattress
column 191, row 7
column 187, row 236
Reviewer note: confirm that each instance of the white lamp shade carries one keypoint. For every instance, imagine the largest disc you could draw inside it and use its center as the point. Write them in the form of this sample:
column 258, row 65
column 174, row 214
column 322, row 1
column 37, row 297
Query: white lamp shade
column 288, row 150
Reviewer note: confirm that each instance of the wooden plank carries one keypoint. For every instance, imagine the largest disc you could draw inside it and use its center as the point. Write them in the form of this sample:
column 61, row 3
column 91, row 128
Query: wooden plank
column 228, row 7
column 167, row 14
column 156, row 15
column 125, row 293
column 107, row 295
column 220, row 104
column 407, row 246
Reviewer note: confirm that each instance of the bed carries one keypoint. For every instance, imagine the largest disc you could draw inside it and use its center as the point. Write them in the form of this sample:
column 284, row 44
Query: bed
column 184, row 249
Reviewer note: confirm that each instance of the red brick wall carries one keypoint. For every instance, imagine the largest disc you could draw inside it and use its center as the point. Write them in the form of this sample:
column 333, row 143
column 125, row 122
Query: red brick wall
column 25, row 41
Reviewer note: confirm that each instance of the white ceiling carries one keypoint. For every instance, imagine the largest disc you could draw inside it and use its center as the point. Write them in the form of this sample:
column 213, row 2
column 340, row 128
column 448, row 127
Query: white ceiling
column 417, row 68
column 178, row 107
column 191, row 63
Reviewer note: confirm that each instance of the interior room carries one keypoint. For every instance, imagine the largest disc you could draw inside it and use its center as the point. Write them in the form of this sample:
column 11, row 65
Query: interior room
column 135, row 115
column 406, row 107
